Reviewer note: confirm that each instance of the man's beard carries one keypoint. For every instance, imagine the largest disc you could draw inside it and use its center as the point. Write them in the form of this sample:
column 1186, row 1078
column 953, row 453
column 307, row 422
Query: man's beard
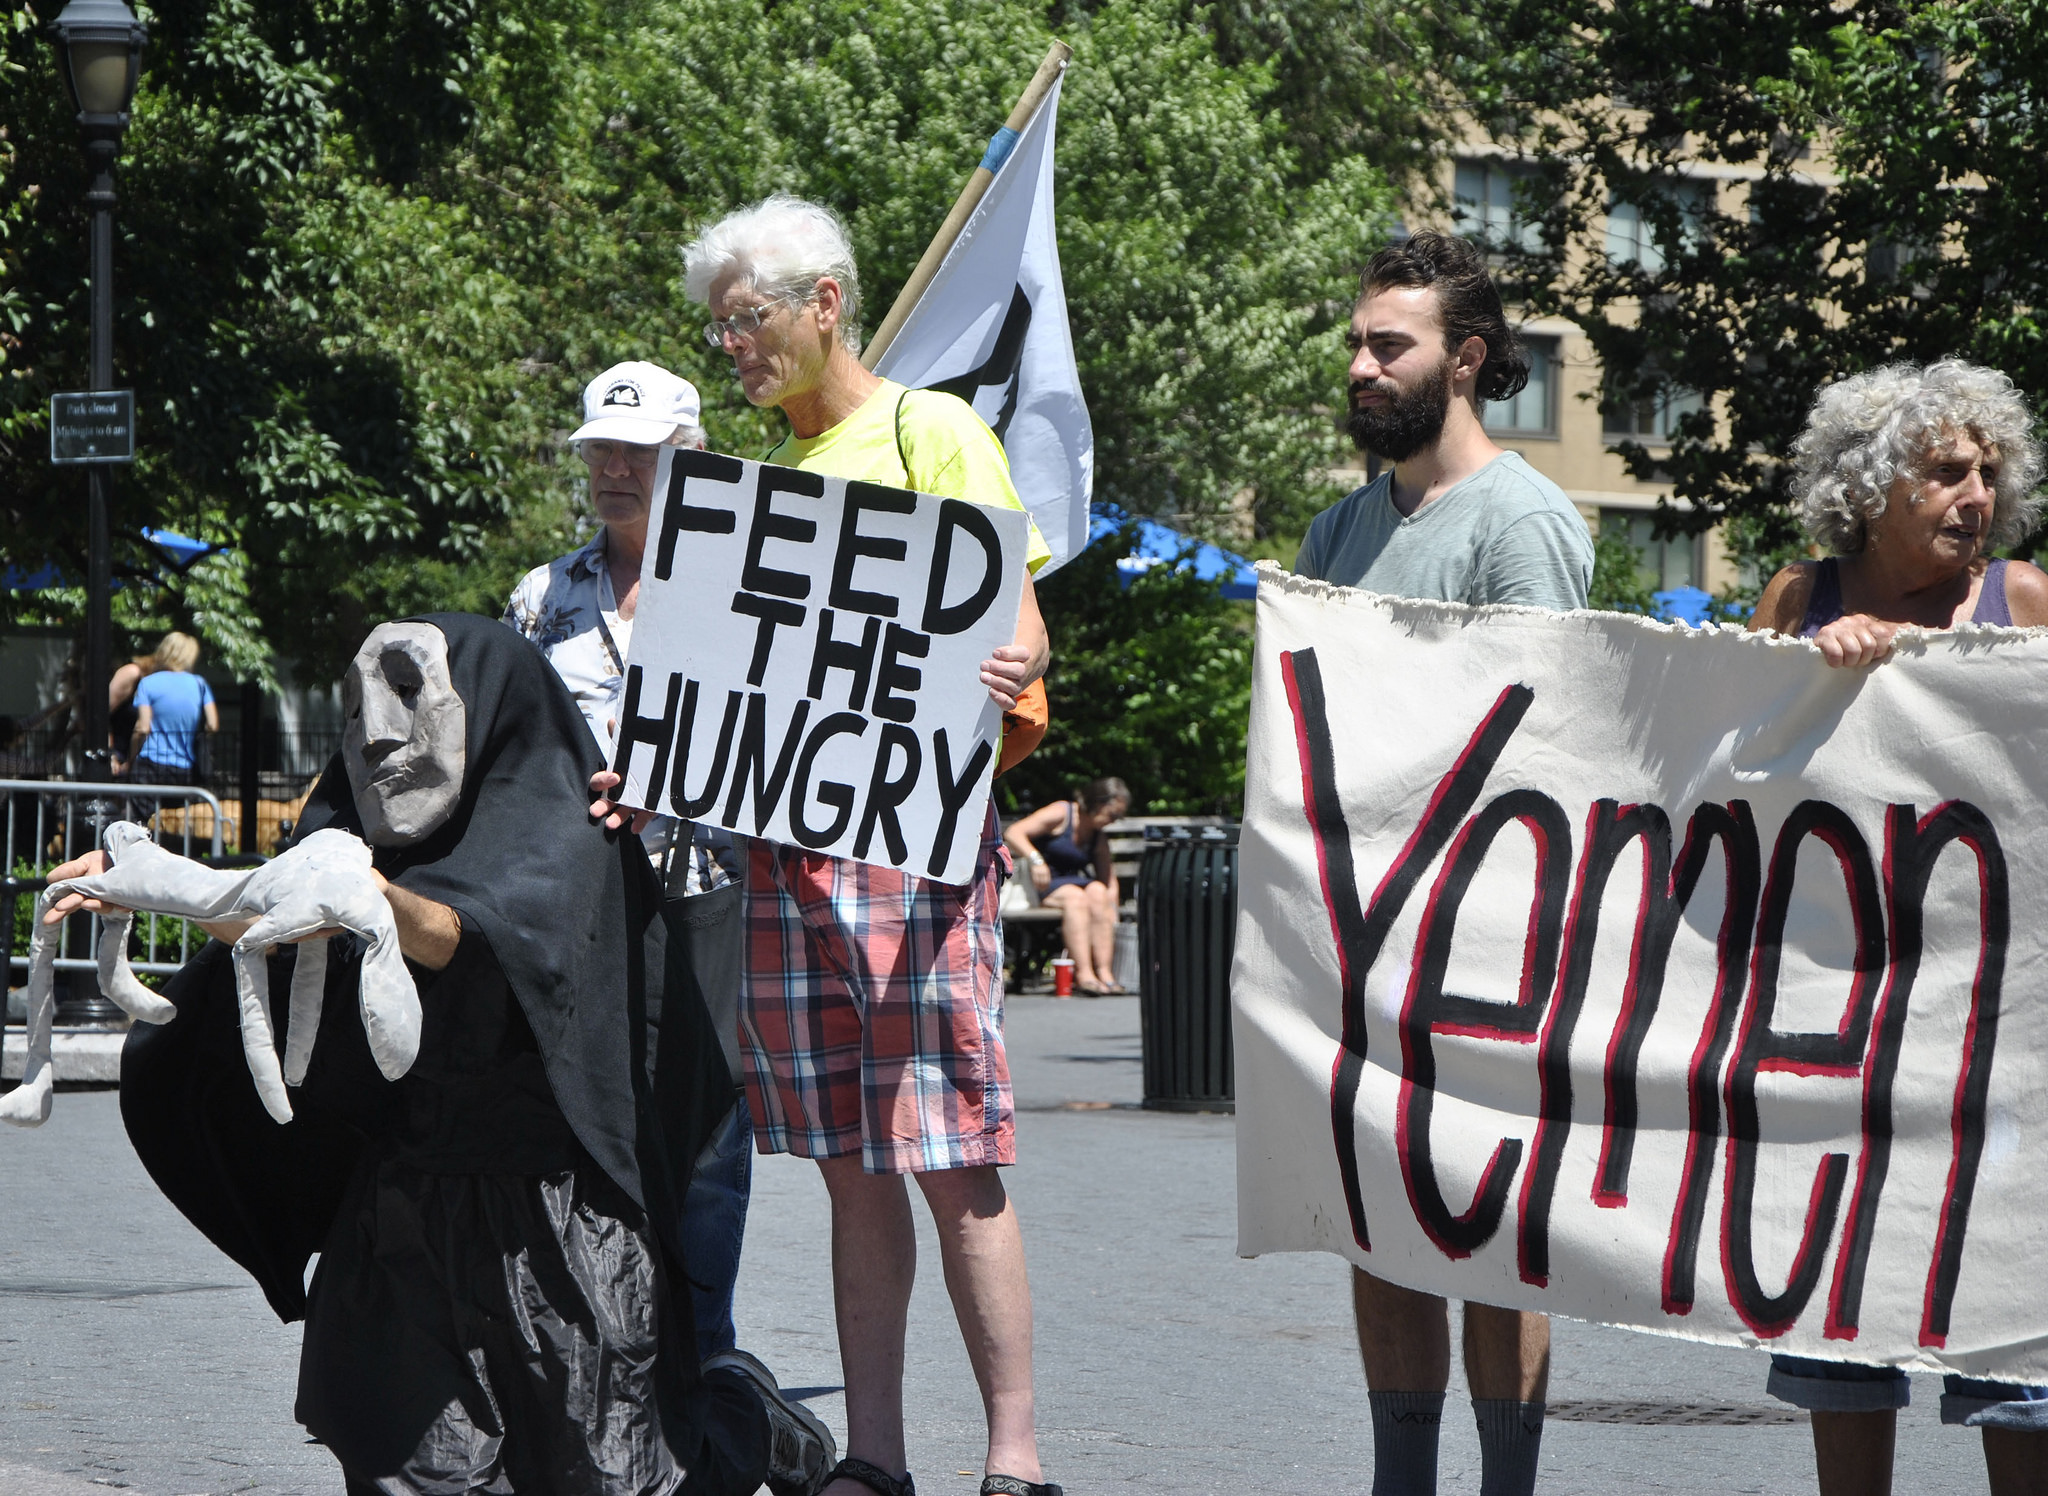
column 1407, row 422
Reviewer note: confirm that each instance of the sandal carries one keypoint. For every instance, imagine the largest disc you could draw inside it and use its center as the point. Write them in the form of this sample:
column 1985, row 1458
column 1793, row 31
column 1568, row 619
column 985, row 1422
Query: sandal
column 874, row 1477
column 1009, row 1485
column 1089, row 988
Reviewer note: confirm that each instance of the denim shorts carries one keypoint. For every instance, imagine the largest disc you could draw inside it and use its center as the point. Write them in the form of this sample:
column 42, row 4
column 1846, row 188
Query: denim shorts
column 1845, row 1387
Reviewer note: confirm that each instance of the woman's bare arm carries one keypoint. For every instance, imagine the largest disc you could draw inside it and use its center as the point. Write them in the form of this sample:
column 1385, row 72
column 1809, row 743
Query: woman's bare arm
column 1782, row 608
column 2026, row 593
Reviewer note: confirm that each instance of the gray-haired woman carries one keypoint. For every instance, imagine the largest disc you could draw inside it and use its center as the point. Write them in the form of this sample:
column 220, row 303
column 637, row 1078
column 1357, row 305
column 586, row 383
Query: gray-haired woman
column 1909, row 476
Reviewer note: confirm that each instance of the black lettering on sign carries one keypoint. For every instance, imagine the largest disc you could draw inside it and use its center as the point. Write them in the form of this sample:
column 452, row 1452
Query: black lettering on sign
column 864, row 498
column 1734, row 828
column 773, row 613
column 753, row 762
column 1912, row 847
column 1610, row 827
column 886, row 792
column 1361, row 929
column 830, row 792
column 770, row 524
column 941, row 617
column 893, row 677
column 680, row 800
column 676, row 516
column 1429, row 1009
column 656, row 732
column 856, row 659
column 1759, row 1047
column 954, row 793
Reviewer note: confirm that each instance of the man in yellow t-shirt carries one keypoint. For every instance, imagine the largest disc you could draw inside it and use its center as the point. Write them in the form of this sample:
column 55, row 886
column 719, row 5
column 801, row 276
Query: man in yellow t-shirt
column 871, row 1013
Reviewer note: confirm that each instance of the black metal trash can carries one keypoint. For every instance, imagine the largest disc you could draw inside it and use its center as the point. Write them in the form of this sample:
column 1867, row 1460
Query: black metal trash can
column 1187, row 923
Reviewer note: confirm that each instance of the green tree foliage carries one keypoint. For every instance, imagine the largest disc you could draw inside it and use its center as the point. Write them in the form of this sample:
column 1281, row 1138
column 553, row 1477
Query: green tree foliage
column 367, row 256
column 1151, row 683
column 265, row 426
column 1888, row 162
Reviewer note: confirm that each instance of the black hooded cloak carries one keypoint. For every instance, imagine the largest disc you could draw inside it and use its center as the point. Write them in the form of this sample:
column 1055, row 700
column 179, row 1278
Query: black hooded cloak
column 527, row 1131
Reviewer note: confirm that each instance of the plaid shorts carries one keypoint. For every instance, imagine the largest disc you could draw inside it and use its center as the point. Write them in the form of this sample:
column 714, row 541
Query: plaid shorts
column 872, row 1012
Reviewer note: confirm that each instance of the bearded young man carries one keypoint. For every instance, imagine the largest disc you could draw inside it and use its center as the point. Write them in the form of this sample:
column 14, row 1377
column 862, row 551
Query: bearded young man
column 1455, row 519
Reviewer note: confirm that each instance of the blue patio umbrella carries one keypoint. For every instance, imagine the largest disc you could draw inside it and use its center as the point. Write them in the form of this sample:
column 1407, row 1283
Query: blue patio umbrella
column 181, row 550
column 1157, row 545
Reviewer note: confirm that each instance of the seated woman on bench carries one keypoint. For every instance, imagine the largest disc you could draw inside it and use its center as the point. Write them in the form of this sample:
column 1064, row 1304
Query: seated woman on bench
column 1066, row 847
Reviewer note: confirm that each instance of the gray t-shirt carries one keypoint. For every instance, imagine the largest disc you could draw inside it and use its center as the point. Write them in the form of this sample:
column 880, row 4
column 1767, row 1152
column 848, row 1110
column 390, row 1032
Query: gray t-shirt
column 1507, row 534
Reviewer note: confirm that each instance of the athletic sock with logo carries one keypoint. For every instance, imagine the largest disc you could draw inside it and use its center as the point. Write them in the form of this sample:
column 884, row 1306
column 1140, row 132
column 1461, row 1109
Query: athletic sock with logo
column 1510, row 1438
column 1404, row 1431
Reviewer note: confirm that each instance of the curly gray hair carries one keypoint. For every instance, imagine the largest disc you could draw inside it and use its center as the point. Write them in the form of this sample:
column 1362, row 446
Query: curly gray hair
column 782, row 246
column 1866, row 430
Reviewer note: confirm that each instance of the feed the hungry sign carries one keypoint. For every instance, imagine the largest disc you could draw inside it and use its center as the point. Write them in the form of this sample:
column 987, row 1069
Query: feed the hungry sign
column 805, row 661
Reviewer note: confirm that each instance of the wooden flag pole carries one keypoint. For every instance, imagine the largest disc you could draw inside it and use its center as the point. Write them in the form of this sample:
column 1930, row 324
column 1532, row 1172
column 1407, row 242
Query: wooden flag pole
column 963, row 208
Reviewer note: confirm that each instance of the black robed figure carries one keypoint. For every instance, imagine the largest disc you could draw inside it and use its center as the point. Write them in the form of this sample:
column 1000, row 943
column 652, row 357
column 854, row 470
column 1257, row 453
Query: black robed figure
column 492, row 1309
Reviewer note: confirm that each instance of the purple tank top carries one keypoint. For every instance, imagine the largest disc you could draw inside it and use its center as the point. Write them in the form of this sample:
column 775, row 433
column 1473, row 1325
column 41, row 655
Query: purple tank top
column 1825, row 605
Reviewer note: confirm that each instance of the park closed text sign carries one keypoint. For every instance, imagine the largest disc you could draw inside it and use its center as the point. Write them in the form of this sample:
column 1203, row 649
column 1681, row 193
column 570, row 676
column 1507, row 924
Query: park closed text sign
column 1656, row 977
column 805, row 661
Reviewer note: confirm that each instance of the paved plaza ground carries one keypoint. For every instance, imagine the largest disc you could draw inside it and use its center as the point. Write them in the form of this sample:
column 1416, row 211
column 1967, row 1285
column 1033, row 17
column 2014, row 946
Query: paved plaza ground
column 134, row 1356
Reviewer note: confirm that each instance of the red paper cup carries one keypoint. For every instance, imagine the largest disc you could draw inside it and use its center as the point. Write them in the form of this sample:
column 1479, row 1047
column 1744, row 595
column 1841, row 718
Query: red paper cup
column 1062, row 977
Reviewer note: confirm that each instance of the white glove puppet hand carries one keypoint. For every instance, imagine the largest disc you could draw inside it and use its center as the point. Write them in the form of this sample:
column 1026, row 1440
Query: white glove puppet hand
column 322, row 884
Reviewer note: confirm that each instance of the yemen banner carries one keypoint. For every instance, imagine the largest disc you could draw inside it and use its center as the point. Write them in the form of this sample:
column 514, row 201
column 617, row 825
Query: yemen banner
column 1658, row 977
column 992, row 329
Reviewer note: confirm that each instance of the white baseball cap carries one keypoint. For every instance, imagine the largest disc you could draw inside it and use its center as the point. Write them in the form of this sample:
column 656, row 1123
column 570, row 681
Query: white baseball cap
column 637, row 402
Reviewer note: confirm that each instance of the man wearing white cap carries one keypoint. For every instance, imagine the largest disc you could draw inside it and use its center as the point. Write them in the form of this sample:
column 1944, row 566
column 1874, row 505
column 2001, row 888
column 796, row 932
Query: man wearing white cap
column 579, row 610
column 579, row 607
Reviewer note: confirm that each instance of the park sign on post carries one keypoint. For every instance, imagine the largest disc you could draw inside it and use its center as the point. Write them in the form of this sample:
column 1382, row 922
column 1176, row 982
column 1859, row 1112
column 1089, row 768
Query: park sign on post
column 805, row 661
column 93, row 426
column 1654, row 976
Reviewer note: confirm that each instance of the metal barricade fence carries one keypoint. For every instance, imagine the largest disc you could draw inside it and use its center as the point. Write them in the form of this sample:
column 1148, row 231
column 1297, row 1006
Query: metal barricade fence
column 52, row 821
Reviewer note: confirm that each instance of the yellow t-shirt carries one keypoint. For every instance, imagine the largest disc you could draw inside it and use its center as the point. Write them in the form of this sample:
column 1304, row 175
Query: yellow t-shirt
column 935, row 444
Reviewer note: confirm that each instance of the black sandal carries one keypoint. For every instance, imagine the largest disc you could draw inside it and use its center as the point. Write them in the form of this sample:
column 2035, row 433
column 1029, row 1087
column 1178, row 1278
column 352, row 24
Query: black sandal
column 1009, row 1485
column 874, row 1477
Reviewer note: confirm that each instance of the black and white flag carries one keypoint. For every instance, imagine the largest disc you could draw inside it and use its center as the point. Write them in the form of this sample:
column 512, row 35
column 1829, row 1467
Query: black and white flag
column 992, row 329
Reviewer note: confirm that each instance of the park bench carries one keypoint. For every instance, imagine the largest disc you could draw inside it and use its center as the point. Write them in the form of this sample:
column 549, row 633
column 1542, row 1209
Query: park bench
column 1031, row 932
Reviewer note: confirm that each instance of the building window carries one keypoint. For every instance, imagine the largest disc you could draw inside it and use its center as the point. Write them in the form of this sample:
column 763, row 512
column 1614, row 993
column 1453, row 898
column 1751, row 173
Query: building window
column 1661, row 565
column 1650, row 418
column 1483, row 201
column 1533, row 412
column 1632, row 233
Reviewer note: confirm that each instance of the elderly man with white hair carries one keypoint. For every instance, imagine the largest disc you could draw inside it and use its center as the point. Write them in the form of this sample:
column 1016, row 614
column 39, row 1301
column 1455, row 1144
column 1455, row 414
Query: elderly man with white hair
column 872, row 1008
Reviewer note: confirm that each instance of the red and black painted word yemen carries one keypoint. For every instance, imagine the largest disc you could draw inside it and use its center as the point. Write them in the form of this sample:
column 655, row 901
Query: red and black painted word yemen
column 1886, row 905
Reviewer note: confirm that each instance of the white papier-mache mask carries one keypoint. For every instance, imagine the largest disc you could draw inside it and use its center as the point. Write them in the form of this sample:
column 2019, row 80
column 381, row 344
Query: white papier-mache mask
column 406, row 734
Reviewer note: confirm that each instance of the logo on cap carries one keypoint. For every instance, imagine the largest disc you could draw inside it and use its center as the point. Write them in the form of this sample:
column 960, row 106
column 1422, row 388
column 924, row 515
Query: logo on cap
column 622, row 393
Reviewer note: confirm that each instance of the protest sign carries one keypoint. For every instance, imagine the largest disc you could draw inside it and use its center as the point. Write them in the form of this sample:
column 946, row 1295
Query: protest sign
column 805, row 661
column 1657, row 977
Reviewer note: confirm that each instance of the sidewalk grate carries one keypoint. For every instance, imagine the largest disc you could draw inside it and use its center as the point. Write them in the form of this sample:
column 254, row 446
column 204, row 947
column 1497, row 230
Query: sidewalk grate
column 1680, row 1413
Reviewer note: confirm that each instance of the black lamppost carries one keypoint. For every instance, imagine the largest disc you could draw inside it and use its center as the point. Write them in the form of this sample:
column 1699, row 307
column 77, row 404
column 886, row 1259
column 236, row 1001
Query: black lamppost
column 99, row 46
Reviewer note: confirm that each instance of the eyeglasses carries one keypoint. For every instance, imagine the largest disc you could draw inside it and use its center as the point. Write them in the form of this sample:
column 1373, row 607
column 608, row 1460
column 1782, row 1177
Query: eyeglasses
column 743, row 323
column 599, row 454
column 747, row 321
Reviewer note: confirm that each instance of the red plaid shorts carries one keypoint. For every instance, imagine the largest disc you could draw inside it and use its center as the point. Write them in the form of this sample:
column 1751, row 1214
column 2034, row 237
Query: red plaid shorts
column 872, row 1012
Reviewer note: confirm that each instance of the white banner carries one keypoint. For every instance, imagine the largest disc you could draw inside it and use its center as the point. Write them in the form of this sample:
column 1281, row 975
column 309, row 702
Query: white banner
column 806, row 661
column 1662, row 978
column 992, row 329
